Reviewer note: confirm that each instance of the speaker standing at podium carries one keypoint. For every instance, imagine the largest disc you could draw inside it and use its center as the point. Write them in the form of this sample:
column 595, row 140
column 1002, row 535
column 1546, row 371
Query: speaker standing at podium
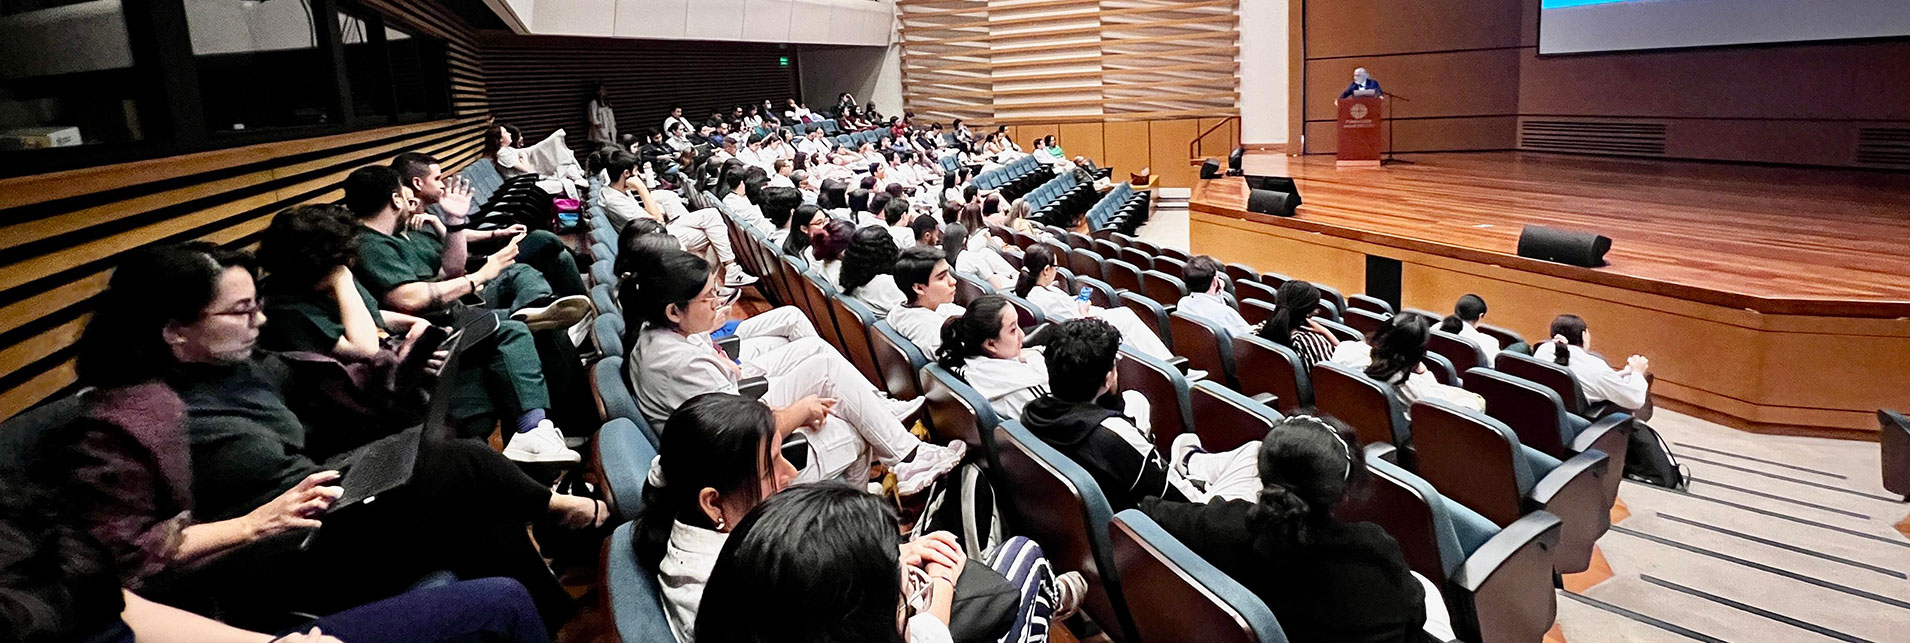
column 1363, row 85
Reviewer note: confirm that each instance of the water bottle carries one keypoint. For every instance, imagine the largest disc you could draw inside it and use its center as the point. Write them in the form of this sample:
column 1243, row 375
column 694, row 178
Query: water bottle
column 1082, row 300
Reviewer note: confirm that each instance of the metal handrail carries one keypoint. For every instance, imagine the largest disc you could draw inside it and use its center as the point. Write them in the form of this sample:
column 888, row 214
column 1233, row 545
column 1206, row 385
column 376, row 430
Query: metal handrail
column 1193, row 147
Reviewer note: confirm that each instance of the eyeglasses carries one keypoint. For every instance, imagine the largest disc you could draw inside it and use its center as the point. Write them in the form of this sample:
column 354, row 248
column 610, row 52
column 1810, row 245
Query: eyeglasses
column 249, row 309
column 721, row 296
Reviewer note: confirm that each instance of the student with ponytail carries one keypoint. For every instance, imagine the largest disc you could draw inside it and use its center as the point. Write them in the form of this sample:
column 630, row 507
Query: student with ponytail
column 1324, row 579
column 966, row 244
column 984, row 347
column 1394, row 354
column 1292, row 323
column 1464, row 322
column 1628, row 388
column 1036, row 284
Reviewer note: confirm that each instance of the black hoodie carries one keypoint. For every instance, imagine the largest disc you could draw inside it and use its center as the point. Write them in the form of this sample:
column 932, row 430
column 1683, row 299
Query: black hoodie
column 1126, row 475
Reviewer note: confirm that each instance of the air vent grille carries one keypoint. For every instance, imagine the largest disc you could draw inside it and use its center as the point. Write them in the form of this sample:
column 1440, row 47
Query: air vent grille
column 1593, row 137
column 1884, row 146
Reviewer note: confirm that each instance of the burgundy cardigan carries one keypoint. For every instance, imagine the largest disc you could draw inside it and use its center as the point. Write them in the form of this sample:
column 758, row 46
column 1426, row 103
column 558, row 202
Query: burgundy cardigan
column 131, row 470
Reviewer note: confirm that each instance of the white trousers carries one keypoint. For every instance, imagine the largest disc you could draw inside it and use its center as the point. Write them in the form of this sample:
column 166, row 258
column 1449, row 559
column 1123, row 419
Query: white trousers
column 784, row 346
column 704, row 231
column 1134, row 331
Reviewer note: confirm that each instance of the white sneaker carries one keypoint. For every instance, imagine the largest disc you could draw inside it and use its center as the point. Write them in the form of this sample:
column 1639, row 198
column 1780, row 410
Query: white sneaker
column 563, row 313
column 735, row 277
column 543, row 444
column 1183, row 445
column 904, row 409
column 931, row 462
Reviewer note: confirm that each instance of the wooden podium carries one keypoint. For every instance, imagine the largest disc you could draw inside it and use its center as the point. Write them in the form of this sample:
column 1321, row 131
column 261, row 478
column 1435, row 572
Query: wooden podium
column 1360, row 142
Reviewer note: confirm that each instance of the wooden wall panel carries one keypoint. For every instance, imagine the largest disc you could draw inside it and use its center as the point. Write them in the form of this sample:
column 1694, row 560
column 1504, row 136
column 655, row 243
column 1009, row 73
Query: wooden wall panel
column 1069, row 61
column 1082, row 139
column 542, row 83
column 1466, row 83
column 1126, row 145
column 1456, row 134
column 1342, row 28
column 1167, row 151
column 63, row 231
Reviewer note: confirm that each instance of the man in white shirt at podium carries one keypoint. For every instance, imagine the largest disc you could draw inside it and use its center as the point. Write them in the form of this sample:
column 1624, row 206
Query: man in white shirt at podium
column 1363, row 85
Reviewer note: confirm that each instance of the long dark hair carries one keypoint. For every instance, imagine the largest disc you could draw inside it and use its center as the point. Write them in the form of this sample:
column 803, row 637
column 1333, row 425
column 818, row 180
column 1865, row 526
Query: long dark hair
column 833, row 195
column 672, row 277
column 1293, row 303
column 718, row 441
column 151, row 287
column 963, row 335
column 1036, row 259
column 642, row 241
column 494, row 141
column 798, row 241
column 829, row 242
column 1308, row 464
column 871, row 252
column 304, row 244
column 1467, row 310
column 816, row 563
column 954, row 241
column 1398, row 347
column 1572, row 327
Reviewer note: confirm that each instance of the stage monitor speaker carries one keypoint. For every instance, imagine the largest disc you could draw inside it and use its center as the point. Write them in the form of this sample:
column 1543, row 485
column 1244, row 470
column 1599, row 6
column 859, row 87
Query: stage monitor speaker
column 1564, row 246
column 1272, row 202
column 1234, row 160
column 1210, row 169
column 1275, row 183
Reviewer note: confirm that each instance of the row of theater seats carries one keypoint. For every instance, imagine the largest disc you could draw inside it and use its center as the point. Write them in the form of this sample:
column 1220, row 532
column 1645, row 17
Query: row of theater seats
column 1121, row 209
column 1014, row 179
column 827, row 125
column 1063, row 201
column 517, row 199
column 853, row 140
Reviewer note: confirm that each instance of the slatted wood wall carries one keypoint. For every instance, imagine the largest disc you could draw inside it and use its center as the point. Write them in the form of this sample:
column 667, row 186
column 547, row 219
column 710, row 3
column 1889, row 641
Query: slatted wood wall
column 1070, row 61
column 542, row 83
column 60, row 232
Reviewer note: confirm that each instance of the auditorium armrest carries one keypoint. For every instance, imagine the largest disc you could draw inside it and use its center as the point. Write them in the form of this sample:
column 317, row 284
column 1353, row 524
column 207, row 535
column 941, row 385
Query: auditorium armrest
column 732, row 345
column 1179, row 363
column 1538, row 528
column 1612, row 435
column 1269, row 399
column 1574, row 492
column 753, row 388
column 1591, row 436
column 1587, row 462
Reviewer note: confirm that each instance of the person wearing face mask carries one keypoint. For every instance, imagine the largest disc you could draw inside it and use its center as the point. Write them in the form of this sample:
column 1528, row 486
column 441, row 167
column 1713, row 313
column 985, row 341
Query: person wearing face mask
column 674, row 300
column 1363, row 85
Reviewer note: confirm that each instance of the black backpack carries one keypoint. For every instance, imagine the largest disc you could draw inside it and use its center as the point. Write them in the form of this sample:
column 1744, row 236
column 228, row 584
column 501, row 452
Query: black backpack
column 963, row 503
column 1648, row 459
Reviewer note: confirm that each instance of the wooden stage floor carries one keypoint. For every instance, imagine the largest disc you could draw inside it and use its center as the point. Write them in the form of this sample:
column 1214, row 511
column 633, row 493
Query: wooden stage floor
column 1768, row 298
column 1804, row 237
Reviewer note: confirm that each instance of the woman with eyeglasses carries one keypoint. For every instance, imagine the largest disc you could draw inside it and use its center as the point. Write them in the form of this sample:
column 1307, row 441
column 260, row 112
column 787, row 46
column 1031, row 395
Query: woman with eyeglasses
column 678, row 301
column 233, row 457
column 1324, row 579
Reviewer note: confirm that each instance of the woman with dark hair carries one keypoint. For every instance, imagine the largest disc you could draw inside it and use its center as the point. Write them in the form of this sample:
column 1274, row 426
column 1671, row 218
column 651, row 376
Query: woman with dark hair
column 1393, row 355
column 966, row 244
column 834, row 196
column 865, row 272
column 818, row 562
column 1464, row 322
column 501, row 146
column 983, row 346
column 1037, row 284
column 804, row 223
column 826, row 245
column 188, row 316
column 603, row 120
column 676, row 301
column 316, row 306
column 1324, row 579
column 1292, row 323
column 872, row 216
column 1628, row 388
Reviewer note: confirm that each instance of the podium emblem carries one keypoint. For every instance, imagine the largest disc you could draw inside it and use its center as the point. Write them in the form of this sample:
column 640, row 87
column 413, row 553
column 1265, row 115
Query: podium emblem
column 1357, row 111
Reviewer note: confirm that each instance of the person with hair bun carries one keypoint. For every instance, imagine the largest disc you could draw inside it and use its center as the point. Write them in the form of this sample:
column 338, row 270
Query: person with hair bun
column 1464, row 322
column 865, row 274
column 1324, row 579
column 1292, row 323
column 1036, row 284
column 1628, row 388
column 1394, row 355
column 984, row 347
column 827, row 243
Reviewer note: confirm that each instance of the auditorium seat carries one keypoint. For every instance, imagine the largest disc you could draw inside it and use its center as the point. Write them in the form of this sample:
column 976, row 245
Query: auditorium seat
column 1539, row 418
column 1177, row 595
column 622, row 461
column 1364, row 321
column 817, row 292
column 899, row 360
column 1085, row 262
column 969, row 287
column 1253, row 289
column 1225, row 419
column 1013, row 255
column 1024, row 240
column 1463, row 354
column 1441, row 369
column 607, row 330
column 1546, row 374
column 1262, row 366
column 1478, row 461
column 605, row 299
column 1342, row 331
column 1151, row 313
column 1206, row 345
column 1163, row 287
column 1256, row 311
column 957, row 412
column 1430, row 316
column 631, row 596
column 1138, row 257
column 1107, row 249
column 602, row 272
column 853, row 320
column 1366, row 404
column 614, row 398
column 1152, row 249
column 1242, row 272
column 1027, row 314
column 1894, row 452
column 1327, row 309
column 1274, row 279
column 1170, row 411
column 1368, row 303
column 1174, row 253
column 1170, row 265
column 1508, row 339
column 1056, row 503
column 1100, row 293
column 1122, row 275
column 1497, row 581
